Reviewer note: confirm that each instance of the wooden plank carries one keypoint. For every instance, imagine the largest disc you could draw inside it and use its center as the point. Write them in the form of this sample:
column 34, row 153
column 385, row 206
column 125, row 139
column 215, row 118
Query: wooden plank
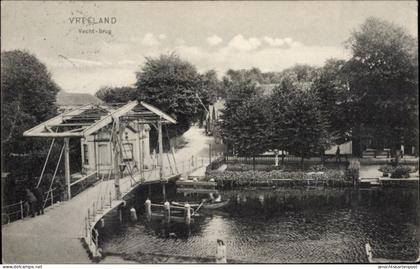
column 109, row 118
column 83, row 178
column 190, row 190
column 173, row 218
column 37, row 131
column 158, row 112
column 70, row 124
column 196, row 183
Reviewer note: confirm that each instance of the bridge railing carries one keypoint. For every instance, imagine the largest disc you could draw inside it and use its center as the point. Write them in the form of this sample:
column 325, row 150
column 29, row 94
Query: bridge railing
column 84, row 182
column 195, row 162
column 20, row 210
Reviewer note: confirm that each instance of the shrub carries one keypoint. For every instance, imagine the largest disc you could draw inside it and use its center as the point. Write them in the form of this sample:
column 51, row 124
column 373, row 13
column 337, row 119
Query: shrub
column 401, row 172
column 242, row 178
column 390, row 168
column 318, row 168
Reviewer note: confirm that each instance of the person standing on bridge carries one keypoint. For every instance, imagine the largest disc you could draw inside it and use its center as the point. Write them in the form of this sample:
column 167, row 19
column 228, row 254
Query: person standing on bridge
column 30, row 197
column 39, row 194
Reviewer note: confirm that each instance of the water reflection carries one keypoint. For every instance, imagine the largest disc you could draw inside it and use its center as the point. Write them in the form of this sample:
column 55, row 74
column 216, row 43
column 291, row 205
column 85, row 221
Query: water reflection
column 288, row 225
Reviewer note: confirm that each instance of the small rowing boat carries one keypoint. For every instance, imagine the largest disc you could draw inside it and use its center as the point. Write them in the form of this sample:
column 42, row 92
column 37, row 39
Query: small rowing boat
column 215, row 205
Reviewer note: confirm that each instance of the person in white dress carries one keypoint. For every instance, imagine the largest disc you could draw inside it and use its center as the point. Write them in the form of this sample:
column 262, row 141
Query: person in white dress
column 221, row 252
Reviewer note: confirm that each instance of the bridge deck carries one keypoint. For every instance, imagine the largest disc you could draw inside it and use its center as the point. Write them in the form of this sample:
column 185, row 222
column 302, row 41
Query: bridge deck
column 55, row 236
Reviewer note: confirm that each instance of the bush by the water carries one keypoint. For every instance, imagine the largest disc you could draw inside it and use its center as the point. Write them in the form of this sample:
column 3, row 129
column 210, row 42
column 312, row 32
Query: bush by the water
column 250, row 177
column 400, row 171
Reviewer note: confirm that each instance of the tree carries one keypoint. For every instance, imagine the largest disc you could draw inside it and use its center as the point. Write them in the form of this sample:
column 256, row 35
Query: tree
column 383, row 80
column 28, row 98
column 116, row 95
column 171, row 84
column 245, row 121
column 298, row 126
column 211, row 87
column 331, row 87
column 233, row 122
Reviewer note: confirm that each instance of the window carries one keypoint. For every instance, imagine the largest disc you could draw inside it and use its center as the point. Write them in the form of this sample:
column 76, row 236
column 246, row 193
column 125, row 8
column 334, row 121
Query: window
column 85, row 154
column 127, row 152
column 104, row 154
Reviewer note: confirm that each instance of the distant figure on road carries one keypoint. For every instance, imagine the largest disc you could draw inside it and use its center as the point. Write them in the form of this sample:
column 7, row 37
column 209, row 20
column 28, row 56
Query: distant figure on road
column 337, row 155
column 221, row 252
column 31, row 199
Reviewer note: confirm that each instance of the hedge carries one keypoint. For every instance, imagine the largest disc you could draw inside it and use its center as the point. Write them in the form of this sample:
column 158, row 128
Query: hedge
column 276, row 177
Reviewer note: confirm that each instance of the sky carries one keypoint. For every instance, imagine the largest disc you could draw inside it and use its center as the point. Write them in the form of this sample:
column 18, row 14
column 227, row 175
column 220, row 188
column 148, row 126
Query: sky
column 271, row 35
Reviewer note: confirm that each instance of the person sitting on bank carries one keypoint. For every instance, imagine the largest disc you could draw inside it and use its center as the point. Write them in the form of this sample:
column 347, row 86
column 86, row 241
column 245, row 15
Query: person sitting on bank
column 221, row 252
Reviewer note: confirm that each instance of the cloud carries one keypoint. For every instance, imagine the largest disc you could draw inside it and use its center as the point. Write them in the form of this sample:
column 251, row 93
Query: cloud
column 214, row 40
column 287, row 42
column 150, row 40
column 162, row 36
column 265, row 58
column 274, row 42
column 242, row 44
column 116, row 63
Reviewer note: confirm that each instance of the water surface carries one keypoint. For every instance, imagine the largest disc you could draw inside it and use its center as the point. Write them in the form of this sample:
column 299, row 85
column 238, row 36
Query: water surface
column 286, row 225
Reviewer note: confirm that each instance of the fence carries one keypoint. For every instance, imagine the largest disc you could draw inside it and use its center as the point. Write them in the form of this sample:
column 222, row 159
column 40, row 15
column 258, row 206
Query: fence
column 270, row 159
column 195, row 162
column 20, row 210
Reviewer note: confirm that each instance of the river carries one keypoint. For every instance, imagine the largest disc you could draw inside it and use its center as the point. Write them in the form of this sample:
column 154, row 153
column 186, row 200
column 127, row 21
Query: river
column 284, row 225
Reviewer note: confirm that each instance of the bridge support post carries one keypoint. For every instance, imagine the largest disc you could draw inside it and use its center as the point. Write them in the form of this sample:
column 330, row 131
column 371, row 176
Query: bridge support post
column 133, row 214
column 160, row 149
column 167, row 212
column 187, row 213
column 67, row 167
column 164, row 191
column 116, row 140
column 148, row 205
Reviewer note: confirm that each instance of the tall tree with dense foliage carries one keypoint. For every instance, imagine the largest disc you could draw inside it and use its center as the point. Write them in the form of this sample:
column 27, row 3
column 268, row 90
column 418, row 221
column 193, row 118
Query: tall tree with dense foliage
column 211, row 88
column 28, row 98
column 331, row 86
column 297, row 124
column 172, row 85
column 383, row 76
column 244, row 122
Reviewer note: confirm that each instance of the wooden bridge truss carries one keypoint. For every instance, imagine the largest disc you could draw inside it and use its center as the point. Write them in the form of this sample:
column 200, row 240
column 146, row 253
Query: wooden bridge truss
column 87, row 120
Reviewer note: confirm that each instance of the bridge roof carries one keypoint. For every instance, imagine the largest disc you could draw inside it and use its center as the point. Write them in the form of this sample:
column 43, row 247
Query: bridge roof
column 88, row 119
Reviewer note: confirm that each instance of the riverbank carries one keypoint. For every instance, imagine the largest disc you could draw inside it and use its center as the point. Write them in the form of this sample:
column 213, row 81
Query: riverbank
column 239, row 174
